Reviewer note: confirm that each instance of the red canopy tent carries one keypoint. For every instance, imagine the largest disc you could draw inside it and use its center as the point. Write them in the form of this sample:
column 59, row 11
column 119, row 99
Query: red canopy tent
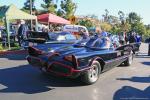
column 51, row 18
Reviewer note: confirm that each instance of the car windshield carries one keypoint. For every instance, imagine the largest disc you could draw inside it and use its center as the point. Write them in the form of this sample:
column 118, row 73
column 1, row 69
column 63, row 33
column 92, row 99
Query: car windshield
column 90, row 42
column 61, row 36
column 98, row 43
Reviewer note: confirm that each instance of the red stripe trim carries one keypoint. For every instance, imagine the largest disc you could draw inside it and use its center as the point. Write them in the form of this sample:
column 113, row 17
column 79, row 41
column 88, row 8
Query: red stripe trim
column 72, row 70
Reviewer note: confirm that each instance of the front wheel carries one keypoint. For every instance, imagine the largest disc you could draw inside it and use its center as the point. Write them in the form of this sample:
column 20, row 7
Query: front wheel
column 92, row 75
column 129, row 60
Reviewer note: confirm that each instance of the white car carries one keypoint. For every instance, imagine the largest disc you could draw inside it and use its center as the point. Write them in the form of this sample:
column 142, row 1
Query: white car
column 75, row 28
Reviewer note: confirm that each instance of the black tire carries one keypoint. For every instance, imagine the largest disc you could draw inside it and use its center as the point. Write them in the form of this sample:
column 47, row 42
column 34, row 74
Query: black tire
column 92, row 75
column 129, row 60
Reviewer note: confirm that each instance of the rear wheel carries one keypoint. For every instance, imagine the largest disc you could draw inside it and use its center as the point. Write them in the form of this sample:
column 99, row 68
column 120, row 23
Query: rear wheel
column 92, row 75
column 129, row 61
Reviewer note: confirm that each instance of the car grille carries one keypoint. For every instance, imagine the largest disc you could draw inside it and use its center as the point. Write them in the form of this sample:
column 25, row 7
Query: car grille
column 60, row 69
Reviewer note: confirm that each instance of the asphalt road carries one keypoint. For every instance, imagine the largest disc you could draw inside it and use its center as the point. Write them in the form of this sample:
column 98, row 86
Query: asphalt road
column 20, row 81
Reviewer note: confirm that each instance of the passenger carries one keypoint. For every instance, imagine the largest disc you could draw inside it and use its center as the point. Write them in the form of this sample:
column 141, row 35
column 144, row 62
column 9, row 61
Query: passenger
column 107, row 42
column 83, row 34
column 103, row 34
column 115, row 41
column 106, row 39
column 103, row 41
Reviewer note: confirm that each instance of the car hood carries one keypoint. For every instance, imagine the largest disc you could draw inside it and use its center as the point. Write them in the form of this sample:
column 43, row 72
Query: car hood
column 61, row 48
column 52, row 46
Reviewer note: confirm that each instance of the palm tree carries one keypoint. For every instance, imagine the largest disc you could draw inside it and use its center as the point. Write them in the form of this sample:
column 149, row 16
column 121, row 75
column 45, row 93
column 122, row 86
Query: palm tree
column 121, row 17
column 106, row 16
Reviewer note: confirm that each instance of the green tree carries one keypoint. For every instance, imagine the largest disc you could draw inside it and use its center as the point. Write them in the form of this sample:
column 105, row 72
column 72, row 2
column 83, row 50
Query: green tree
column 1, row 19
column 61, row 13
column 136, row 24
column 1, row 22
column 113, row 20
column 147, row 33
column 124, row 24
column 126, row 27
column 106, row 26
column 106, row 16
column 139, row 28
column 26, row 6
column 121, row 17
column 85, row 22
column 49, row 6
column 68, row 8
column 133, row 18
column 115, row 29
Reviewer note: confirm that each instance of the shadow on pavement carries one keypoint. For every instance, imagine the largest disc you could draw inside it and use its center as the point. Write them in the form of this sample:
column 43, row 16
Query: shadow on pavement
column 14, row 56
column 29, row 80
column 136, row 79
column 132, row 93
column 146, row 63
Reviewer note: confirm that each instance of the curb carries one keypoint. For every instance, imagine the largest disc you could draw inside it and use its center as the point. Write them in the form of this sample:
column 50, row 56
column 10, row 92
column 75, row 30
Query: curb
column 13, row 52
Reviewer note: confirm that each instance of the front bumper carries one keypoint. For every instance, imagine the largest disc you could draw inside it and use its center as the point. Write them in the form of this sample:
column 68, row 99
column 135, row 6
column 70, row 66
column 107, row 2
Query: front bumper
column 56, row 68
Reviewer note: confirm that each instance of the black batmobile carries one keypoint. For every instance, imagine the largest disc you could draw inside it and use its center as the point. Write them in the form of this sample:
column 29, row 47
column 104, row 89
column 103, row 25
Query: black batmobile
column 87, row 62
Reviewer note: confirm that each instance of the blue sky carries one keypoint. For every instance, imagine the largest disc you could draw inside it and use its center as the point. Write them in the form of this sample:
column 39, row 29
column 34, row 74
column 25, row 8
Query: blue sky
column 97, row 7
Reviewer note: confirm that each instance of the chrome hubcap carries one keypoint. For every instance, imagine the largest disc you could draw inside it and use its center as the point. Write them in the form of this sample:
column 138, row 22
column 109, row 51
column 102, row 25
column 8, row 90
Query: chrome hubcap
column 130, row 58
column 93, row 76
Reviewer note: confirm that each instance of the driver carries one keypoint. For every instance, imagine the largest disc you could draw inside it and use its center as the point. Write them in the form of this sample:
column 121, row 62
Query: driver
column 106, row 41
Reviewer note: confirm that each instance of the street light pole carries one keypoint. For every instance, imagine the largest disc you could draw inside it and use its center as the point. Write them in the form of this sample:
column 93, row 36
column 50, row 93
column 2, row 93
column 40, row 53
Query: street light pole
column 31, row 12
column 149, row 48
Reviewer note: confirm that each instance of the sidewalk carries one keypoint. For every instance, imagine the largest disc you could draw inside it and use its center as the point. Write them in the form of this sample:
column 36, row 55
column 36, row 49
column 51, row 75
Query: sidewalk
column 13, row 52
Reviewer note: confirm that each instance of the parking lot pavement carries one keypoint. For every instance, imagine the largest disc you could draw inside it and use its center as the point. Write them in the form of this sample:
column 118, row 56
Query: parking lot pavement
column 20, row 81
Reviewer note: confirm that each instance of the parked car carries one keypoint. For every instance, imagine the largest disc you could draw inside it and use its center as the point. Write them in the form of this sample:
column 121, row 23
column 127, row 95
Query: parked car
column 87, row 62
column 4, row 37
column 75, row 29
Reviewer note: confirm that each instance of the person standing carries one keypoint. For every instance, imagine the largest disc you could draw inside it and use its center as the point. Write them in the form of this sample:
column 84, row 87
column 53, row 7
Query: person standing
column 125, row 37
column 132, row 38
column 22, row 32
column 138, row 41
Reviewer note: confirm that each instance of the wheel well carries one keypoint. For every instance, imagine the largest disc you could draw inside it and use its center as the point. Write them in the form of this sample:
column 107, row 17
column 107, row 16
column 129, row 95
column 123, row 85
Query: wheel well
column 101, row 63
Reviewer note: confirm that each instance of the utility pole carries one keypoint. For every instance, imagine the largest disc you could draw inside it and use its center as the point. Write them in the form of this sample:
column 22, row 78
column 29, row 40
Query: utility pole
column 149, row 48
column 31, row 12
